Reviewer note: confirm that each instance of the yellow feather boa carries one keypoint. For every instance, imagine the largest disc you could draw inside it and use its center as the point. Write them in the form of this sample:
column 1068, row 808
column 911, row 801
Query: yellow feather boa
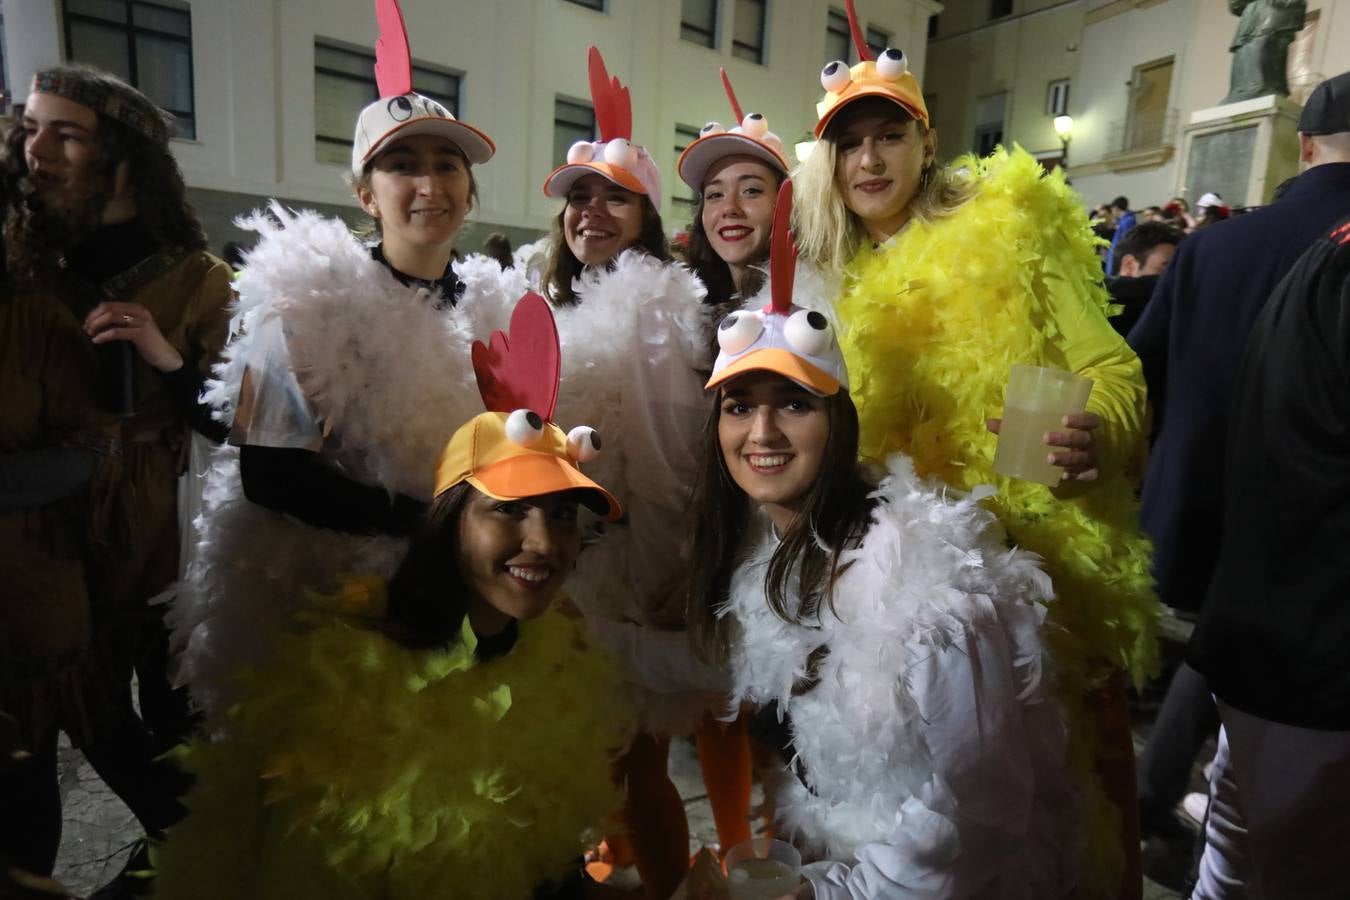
column 931, row 323
column 358, row 768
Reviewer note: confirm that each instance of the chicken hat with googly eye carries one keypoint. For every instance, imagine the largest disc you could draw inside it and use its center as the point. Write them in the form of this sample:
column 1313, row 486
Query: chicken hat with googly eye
column 400, row 112
column 614, row 156
column 514, row 451
column 780, row 336
column 750, row 137
column 887, row 76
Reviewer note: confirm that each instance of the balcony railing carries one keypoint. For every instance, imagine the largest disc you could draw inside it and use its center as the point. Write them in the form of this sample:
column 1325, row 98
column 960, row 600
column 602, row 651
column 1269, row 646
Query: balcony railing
column 1140, row 133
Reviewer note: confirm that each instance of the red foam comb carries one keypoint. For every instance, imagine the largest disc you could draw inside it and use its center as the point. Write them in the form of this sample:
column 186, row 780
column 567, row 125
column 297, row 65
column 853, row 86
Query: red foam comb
column 859, row 41
column 782, row 251
column 393, row 61
column 731, row 95
column 613, row 105
column 520, row 369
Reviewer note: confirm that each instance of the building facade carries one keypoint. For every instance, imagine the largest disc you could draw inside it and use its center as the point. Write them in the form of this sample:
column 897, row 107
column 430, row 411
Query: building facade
column 267, row 91
column 1131, row 73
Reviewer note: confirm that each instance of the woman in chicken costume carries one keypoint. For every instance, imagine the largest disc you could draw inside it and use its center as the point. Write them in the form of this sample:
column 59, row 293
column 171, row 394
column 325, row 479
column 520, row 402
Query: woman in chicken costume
column 442, row 734
column 888, row 633
column 634, row 338
column 342, row 379
column 952, row 275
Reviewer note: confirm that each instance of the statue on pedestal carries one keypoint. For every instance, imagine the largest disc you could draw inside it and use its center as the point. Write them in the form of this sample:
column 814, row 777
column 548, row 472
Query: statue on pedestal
column 1265, row 30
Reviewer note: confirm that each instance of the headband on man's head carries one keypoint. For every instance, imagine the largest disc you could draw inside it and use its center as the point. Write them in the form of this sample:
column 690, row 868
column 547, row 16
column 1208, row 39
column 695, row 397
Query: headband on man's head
column 106, row 94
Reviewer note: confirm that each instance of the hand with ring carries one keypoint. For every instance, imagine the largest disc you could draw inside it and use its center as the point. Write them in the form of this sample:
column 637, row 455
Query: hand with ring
column 116, row 321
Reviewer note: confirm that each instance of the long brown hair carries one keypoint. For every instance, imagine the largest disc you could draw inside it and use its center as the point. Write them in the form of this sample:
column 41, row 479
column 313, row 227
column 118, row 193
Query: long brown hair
column 35, row 238
column 835, row 515
column 564, row 267
column 427, row 597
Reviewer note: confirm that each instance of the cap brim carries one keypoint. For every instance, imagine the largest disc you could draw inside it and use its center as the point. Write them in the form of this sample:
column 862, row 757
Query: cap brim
column 561, row 179
column 536, row 474
column 700, row 156
column 861, row 93
column 476, row 146
column 780, row 362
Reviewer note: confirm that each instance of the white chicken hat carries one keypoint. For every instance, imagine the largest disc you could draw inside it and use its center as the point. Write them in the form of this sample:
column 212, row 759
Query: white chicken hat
column 779, row 336
column 751, row 137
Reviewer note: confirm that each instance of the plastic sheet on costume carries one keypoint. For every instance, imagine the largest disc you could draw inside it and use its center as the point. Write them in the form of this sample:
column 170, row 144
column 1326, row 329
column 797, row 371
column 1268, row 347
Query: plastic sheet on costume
column 272, row 409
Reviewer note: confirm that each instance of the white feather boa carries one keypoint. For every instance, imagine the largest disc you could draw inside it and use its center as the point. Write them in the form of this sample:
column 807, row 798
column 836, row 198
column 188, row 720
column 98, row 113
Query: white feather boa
column 386, row 370
column 933, row 570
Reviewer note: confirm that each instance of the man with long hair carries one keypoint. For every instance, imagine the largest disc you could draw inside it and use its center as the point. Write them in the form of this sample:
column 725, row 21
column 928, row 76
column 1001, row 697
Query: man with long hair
column 95, row 221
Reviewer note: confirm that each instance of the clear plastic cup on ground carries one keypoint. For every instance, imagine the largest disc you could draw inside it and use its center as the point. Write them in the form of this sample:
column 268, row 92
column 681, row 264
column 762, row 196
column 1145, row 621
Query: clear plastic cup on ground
column 763, row 869
column 1036, row 401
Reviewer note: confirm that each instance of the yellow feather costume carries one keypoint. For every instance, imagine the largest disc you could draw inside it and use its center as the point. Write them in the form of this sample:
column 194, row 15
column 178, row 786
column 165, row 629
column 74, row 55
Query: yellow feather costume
column 931, row 323
column 357, row 768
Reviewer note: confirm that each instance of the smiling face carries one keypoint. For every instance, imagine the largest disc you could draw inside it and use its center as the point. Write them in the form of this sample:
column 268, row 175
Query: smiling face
column 61, row 150
column 738, row 201
column 773, row 436
column 514, row 555
column 879, row 154
column 601, row 219
column 419, row 189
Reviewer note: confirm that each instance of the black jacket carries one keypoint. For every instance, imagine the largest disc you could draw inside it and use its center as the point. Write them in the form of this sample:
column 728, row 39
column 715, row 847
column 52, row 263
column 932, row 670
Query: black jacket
column 1274, row 639
column 1190, row 339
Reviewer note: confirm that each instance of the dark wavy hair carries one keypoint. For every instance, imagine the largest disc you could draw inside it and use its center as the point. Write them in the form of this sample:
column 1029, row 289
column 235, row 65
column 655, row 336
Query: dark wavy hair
column 35, row 238
column 427, row 597
column 564, row 267
column 713, row 271
column 835, row 515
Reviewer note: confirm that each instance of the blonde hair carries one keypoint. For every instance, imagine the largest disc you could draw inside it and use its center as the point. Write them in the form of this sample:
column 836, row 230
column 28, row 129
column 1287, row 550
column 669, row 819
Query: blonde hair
column 829, row 234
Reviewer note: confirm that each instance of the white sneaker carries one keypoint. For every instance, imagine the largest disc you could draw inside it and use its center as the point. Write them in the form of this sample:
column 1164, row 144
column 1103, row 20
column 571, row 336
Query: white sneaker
column 1195, row 806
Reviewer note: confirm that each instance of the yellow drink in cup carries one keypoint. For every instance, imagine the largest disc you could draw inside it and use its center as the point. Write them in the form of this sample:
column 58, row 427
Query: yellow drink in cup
column 763, row 869
column 1036, row 402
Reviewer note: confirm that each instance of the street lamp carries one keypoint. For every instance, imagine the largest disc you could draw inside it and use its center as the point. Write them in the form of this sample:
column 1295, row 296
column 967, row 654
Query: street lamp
column 1064, row 128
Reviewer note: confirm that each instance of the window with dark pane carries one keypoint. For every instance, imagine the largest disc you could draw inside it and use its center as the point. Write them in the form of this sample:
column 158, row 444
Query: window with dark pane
column 838, row 44
column 877, row 40
column 573, row 120
column 344, row 84
column 146, row 42
column 1000, row 8
column 748, row 30
column 698, row 22
column 684, row 136
column 932, row 27
column 597, row 5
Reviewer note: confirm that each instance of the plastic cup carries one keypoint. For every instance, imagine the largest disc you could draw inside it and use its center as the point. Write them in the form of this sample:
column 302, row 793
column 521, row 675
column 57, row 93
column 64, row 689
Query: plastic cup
column 1036, row 401
column 763, row 869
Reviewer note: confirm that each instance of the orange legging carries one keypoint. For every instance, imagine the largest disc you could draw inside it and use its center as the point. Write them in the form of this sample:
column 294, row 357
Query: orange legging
column 657, row 836
column 724, row 756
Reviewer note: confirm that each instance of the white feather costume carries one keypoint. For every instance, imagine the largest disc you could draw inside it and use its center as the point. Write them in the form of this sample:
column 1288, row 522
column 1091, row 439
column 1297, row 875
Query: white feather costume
column 345, row 360
column 934, row 751
column 632, row 348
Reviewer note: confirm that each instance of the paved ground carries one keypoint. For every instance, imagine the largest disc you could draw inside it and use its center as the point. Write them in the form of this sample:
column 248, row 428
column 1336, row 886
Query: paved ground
column 99, row 830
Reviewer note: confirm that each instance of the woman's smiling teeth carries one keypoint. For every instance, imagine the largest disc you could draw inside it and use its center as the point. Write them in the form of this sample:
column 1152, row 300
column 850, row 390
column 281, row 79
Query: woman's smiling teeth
column 532, row 574
column 734, row 232
column 595, row 234
column 769, row 461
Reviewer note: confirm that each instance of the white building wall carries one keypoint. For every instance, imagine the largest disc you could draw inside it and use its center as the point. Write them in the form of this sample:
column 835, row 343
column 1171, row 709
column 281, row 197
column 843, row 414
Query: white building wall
column 254, row 77
column 1108, row 52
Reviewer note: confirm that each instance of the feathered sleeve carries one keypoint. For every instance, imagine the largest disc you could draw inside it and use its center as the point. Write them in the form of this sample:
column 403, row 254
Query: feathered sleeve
column 964, row 825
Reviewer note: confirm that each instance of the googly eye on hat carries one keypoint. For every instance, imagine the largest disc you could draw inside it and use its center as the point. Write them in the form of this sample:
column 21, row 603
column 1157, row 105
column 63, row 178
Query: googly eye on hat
column 781, row 336
column 749, row 136
column 400, row 112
